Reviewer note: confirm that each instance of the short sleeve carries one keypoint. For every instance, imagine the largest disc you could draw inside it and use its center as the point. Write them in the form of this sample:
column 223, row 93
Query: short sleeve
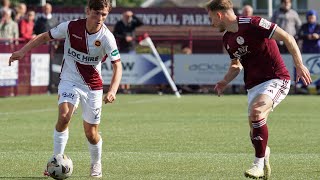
column 264, row 27
column 111, row 48
column 60, row 31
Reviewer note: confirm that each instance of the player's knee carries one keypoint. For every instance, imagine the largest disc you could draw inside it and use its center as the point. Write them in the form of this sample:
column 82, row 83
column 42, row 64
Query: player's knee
column 255, row 114
column 64, row 118
column 92, row 137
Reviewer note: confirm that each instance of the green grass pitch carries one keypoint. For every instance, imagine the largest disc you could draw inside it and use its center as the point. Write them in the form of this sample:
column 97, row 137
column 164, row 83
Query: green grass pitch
column 162, row 137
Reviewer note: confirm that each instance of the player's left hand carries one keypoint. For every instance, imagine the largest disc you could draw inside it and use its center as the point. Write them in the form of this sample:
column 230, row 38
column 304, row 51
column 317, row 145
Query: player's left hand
column 110, row 97
column 303, row 74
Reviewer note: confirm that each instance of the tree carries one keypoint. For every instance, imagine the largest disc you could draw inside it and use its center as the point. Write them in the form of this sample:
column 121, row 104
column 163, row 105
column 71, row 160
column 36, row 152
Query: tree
column 129, row 3
column 119, row 3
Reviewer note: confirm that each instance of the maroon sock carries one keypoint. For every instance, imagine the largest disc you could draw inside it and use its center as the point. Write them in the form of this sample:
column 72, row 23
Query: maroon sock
column 260, row 137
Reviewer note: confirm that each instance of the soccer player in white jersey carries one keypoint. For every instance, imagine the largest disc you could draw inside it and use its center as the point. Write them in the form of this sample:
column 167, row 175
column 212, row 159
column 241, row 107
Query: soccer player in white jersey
column 250, row 42
column 87, row 43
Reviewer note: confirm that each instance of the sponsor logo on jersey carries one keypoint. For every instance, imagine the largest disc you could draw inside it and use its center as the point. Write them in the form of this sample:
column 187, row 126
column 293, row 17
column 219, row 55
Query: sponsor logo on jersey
column 67, row 95
column 115, row 52
column 240, row 40
column 81, row 57
column 97, row 43
column 243, row 50
column 265, row 23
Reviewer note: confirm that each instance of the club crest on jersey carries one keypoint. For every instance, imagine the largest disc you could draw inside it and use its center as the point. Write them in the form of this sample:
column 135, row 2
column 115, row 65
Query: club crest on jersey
column 240, row 40
column 97, row 43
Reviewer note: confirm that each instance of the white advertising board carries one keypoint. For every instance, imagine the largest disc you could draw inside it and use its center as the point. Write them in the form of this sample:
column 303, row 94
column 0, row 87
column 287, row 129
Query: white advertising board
column 138, row 69
column 40, row 69
column 8, row 74
column 202, row 69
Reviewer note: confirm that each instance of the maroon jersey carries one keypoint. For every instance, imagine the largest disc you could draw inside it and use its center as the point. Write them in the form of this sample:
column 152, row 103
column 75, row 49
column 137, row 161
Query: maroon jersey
column 257, row 52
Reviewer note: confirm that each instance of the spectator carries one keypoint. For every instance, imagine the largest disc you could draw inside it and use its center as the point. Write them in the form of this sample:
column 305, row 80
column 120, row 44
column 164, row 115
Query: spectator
column 124, row 31
column 247, row 10
column 21, row 10
column 186, row 50
column 8, row 28
column 26, row 26
column 46, row 21
column 5, row 5
column 309, row 33
column 287, row 19
column 310, row 36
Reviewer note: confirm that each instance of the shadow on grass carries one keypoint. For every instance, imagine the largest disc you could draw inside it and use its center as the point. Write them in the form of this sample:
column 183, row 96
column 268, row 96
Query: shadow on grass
column 23, row 177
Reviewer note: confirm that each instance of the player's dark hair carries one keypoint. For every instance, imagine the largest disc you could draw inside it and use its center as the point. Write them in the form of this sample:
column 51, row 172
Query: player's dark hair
column 219, row 5
column 99, row 4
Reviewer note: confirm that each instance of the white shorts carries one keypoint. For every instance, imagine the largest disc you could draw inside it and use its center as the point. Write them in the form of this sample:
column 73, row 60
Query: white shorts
column 276, row 89
column 91, row 101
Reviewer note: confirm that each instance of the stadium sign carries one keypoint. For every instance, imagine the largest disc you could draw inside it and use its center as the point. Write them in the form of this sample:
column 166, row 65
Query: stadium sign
column 149, row 16
column 138, row 69
column 202, row 69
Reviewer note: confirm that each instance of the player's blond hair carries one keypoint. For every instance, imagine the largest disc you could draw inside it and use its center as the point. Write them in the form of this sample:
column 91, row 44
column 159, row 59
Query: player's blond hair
column 99, row 4
column 219, row 5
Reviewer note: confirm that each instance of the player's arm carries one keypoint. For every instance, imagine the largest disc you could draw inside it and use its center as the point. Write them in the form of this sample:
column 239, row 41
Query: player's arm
column 35, row 42
column 115, row 81
column 234, row 69
column 290, row 42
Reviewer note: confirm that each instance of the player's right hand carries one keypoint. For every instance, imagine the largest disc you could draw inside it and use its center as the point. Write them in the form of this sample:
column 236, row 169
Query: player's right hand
column 110, row 97
column 220, row 86
column 16, row 56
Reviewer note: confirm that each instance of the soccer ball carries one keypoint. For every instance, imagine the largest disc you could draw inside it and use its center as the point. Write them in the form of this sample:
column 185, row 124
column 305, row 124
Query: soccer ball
column 60, row 166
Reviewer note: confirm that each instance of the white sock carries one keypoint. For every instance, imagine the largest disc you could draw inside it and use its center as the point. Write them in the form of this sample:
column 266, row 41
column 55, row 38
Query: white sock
column 259, row 162
column 60, row 140
column 95, row 152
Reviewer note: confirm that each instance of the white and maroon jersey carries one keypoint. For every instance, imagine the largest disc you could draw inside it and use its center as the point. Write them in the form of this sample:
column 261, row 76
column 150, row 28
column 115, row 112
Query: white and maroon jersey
column 84, row 52
column 257, row 52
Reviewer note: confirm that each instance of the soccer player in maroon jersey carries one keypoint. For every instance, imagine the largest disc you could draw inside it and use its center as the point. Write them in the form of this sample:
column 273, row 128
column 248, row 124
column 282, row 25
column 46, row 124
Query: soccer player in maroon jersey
column 87, row 44
column 250, row 42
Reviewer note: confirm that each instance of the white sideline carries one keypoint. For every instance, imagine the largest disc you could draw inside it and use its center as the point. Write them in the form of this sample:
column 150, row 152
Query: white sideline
column 51, row 109
column 27, row 112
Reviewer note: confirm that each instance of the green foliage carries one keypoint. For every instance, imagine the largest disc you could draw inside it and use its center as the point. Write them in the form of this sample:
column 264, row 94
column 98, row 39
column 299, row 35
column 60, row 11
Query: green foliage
column 129, row 3
column 120, row 3
column 81, row 3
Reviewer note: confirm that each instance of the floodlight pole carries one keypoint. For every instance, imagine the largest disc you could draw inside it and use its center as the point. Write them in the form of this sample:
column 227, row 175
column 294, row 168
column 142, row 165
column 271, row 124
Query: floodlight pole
column 43, row 2
column 114, row 3
column 270, row 9
column 162, row 65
